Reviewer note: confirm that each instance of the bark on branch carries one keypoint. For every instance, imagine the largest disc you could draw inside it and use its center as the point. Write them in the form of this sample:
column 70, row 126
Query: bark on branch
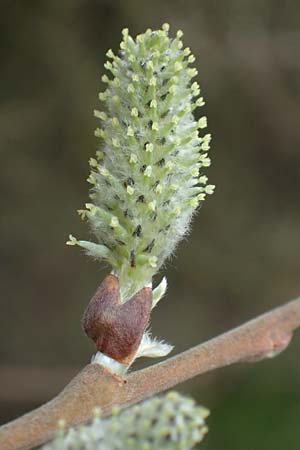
column 262, row 337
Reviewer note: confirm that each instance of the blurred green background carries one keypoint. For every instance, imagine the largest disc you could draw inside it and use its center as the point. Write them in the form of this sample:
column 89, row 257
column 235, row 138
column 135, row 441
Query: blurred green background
column 243, row 255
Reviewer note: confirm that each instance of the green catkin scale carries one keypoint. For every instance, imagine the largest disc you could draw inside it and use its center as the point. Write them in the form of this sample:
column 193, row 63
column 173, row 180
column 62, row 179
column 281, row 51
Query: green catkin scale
column 147, row 179
column 170, row 422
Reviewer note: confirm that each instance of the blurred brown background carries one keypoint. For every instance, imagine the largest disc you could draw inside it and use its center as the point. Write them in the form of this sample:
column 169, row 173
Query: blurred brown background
column 243, row 255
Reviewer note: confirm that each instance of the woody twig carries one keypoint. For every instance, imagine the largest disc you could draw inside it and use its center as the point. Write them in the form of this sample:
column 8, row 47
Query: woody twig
column 263, row 337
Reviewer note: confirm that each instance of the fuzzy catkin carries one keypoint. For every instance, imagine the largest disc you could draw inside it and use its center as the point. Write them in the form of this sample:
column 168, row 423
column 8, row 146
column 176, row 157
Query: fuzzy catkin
column 170, row 422
column 147, row 179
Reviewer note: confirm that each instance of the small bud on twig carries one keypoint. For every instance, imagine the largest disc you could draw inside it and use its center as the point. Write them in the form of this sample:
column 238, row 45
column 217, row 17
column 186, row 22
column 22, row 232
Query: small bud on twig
column 115, row 327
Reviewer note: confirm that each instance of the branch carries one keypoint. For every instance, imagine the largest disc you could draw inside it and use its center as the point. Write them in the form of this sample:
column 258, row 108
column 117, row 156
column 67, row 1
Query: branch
column 262, row 337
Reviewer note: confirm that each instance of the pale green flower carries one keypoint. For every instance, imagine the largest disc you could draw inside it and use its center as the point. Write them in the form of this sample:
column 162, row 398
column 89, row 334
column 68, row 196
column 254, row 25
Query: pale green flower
column 147, row 179
column 170, row 422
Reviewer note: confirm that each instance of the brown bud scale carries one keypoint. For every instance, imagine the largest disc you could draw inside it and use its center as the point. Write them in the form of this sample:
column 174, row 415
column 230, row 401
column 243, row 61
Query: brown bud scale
column 115, row 327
